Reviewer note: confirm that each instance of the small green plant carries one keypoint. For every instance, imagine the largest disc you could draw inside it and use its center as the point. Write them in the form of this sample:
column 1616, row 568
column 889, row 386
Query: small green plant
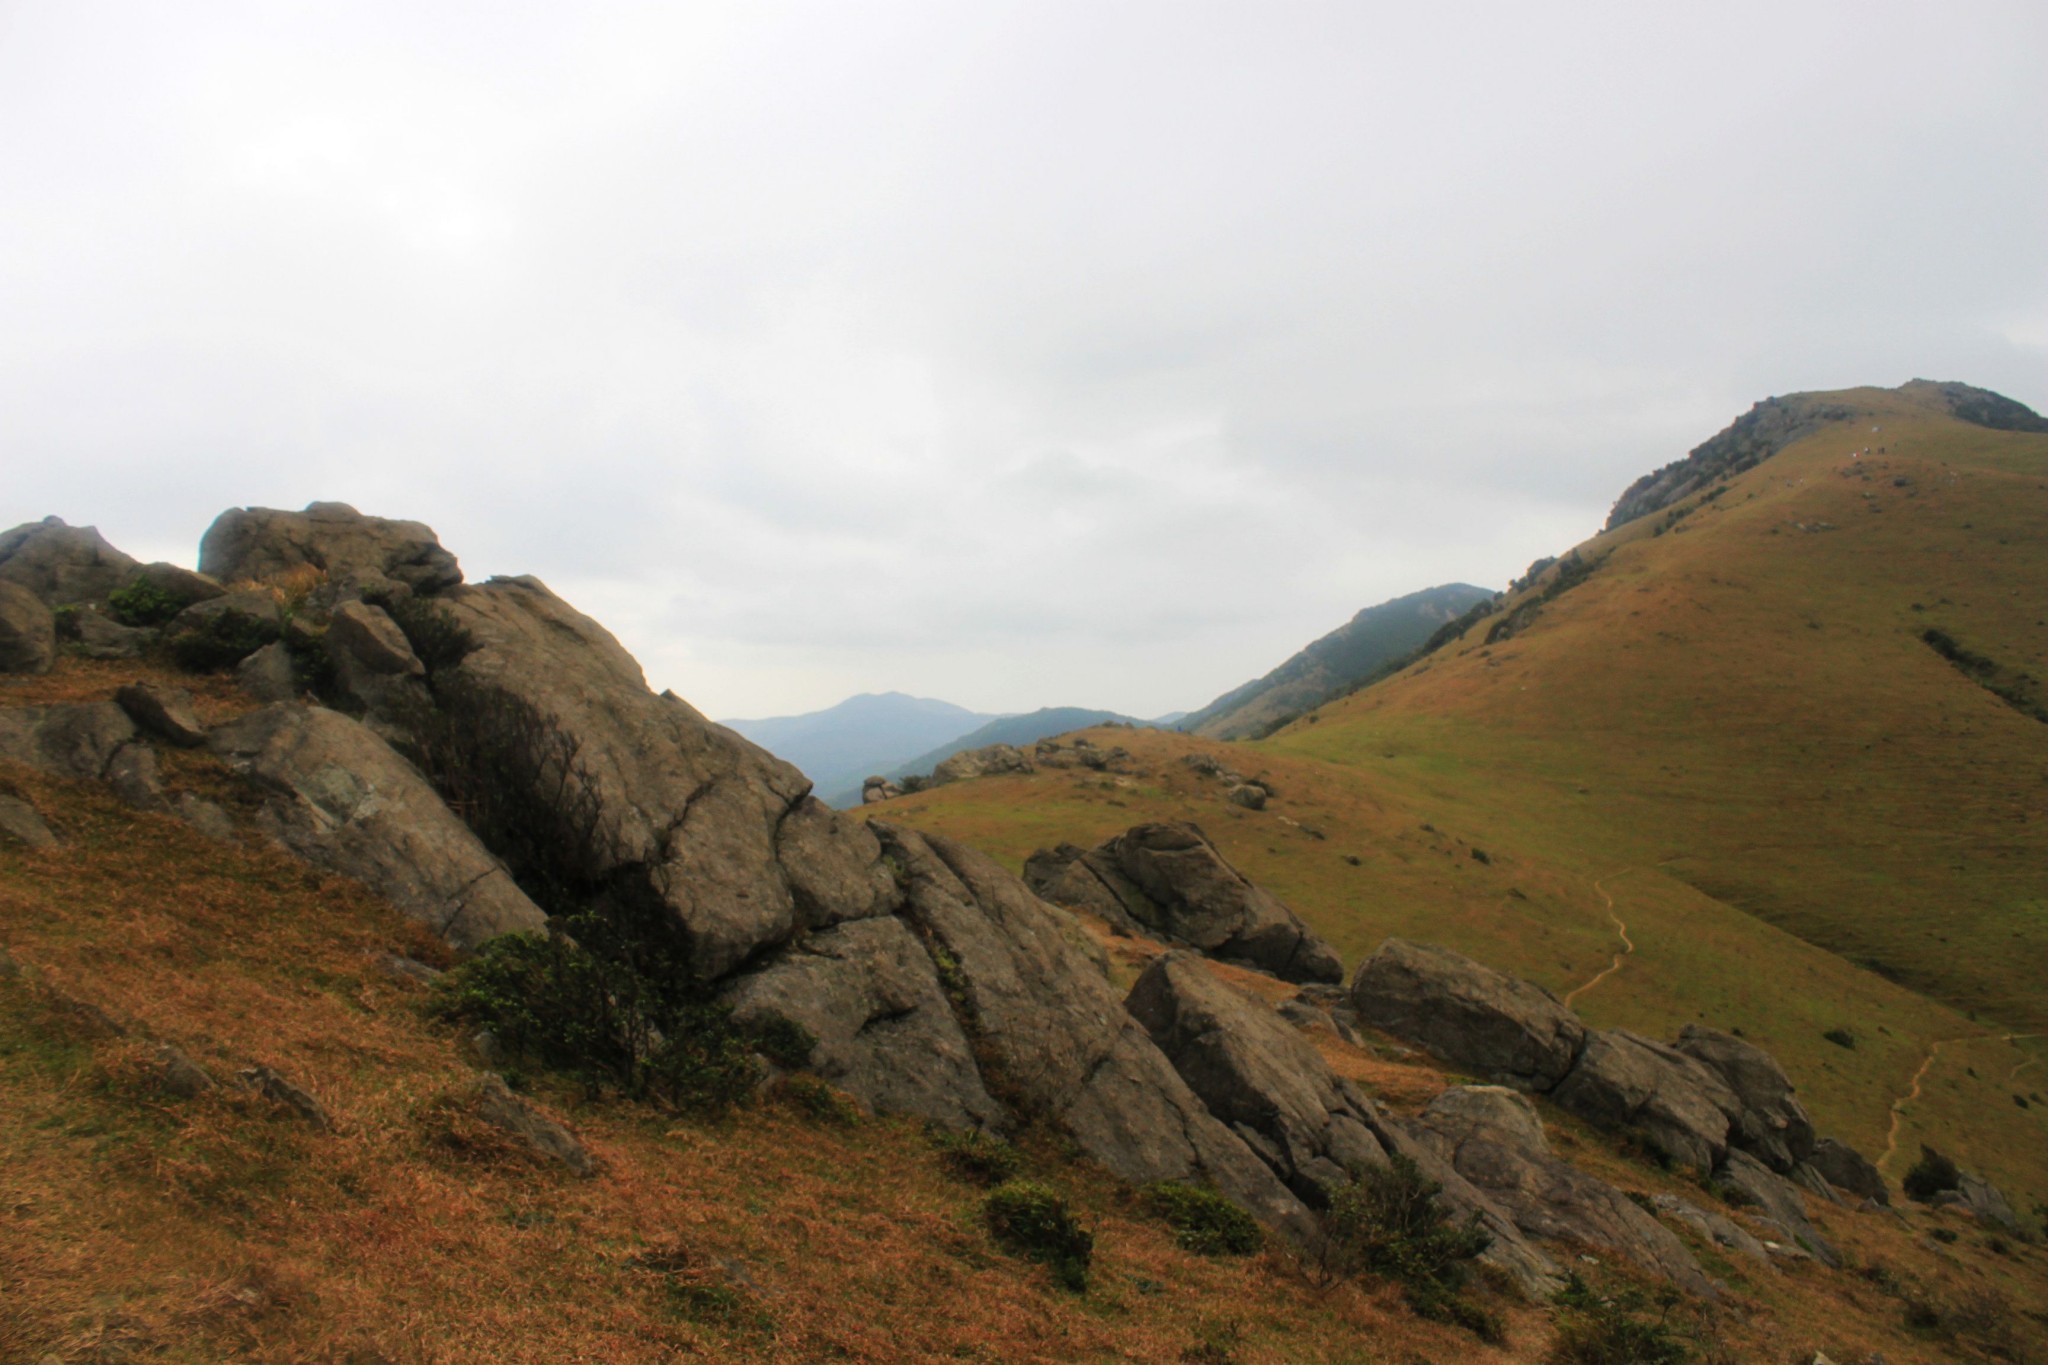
column 143, row 603
column 220, row 640
column 66, row 618
column 783, row 1041
column 1203, row 1221
column 719, row 1306
column 1930, row 1175
column 1840, row 1037
column 978, row 1157
column 1597, row 1329
column 820, row 1101
column 1387, row 1222
column 1032, row 1221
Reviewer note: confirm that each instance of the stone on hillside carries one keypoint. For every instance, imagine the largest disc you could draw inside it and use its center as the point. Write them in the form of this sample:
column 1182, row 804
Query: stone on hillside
column 1250, row 795
column 222, row 631
column 1469, row 1015
column 1771, row 1122
column 72, row 740
column 971, row 763
column 99, row 637
column 267, row 675
column 1848, row 1169
column 340, row 797
column 1258, row 1076
column 62, row 564
column 179, row 1075
column 165, row 712
column 357, row 553
column 136, row 779
column 878, row 789
column 279, row 1091
column 1778, row 1200
column 20, row 822
column 497, row 1106
column 1723, row 1232
column 1058, row 1041
column 1627, row 1083
column 179, row 585
column 1982, row 1200
column 721, row 832
column 1191, row 893
column 205, row 816
column 1085, row 879
column 374, row 664
column 1491, row 1136
column 868, row 992
column 28, row 631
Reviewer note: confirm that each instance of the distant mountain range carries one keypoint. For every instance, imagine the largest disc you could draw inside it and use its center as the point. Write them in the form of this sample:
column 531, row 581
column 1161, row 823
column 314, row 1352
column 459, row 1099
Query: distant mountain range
column 1333, row 665
column 871, row 733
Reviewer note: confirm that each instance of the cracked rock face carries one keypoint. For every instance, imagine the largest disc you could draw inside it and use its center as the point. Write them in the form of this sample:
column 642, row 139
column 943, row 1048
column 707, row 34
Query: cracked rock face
column 1170, row 880
column 1468, row 1014
column 1770, row 1122
column 723, row 834
column 356, row 552
column 61, row 564
column 1676, row 1103
column 340, row 797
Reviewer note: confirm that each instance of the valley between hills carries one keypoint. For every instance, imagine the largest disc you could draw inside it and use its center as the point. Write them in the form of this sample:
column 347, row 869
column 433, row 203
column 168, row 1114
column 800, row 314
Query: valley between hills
column 1763, row 764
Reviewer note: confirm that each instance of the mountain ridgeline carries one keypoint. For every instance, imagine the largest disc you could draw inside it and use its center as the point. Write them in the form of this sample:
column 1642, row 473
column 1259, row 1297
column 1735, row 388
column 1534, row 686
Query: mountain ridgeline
column 1337, row 663
column 871, row 733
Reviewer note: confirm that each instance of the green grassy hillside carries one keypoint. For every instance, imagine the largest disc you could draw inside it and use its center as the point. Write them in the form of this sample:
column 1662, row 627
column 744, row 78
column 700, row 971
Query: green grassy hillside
column 1733, row 727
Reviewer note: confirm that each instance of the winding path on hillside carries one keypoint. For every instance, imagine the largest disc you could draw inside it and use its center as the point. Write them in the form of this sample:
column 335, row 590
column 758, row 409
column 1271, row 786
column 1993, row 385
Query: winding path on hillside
column 1891, row 1137
column 1628, row 945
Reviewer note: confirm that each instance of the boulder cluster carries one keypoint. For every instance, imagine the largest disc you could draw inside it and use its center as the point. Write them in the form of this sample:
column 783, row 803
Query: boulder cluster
column 487, row 757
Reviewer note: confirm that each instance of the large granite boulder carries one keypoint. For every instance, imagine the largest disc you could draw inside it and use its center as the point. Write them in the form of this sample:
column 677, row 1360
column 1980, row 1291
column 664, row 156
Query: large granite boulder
column 1491, row 1135
column 1471, row 1016
column 1770, row 1123
column 222, row 631
column 985, row 762
column 1169, row 880
column 724, row 835
column 1982, row 1200
column 97, row 636
column 1258, row 1075
column 165, row 712
column 1054, row 1037
column 1675, row 1103
column 340, row 797
column 1848, row 1169
column 357, row 553
column 28, row 631
column 62, row 564
column 868, row 992
column 1311, row 1127
column 74, row 740
column 1776, row 1200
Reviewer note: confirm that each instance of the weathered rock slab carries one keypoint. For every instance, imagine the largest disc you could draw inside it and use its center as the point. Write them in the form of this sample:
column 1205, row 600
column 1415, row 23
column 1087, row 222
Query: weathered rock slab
column 70, row 740
column 497, row 1106
column 356, row 552
column 1769, row 1122
column 20, row 822
column 28, row 631
column 1473, row 1017
column 165, row 712
column 338, row 796
column 1628, row 1083
column 61, row 564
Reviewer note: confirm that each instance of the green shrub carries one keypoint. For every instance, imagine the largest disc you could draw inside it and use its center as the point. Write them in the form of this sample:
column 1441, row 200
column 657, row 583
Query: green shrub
column 220, row 640
column 1204, row 1221
column 720, row 1306
column 981, row 1158
column 66, row 618
column 1593, row 1329
column 1930, row 1175
column 815, row 1098
column 143, row 603
column 603, row 1017
column 783, row 1041
column 1387, row 1222
column 1030, row 1220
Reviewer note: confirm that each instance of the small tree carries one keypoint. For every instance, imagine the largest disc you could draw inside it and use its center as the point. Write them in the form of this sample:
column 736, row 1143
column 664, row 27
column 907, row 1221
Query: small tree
column 1387, row 1222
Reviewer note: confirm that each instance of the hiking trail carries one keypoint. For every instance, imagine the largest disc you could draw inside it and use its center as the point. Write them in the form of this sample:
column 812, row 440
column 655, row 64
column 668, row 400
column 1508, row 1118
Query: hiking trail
column 1627, row 944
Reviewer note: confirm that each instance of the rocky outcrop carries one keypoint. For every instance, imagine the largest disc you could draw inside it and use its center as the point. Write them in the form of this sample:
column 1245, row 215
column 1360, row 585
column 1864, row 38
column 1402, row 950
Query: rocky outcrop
column 98, row 637
column 1477, row 1019
column 1055, row 1038
column 1848, row 1169
column 1492, row 1137
column 20, row 822
column 1168, row 879
column 78, row 740
column 267, row 674
column 878, row 789
column 357, row 553
column 165, row 712
column 1676, row 1104
column 867, row 991
column 1769, row 1122
column 61, row 564
column 986, row 762
column 1778, row 1200
column 1982, row 1200
column 28, row 631
column 222, row 631
column 1722, row 1231
column 338, row 796
column 721, row 833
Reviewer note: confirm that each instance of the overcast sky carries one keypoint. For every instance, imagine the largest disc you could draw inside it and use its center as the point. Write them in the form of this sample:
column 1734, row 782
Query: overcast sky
column 1097, row 354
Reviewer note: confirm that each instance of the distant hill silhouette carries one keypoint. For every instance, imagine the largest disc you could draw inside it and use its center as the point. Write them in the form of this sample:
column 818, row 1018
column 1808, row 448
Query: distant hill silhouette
column 1333, row 665
column 871, row 733
column 1022, row 731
